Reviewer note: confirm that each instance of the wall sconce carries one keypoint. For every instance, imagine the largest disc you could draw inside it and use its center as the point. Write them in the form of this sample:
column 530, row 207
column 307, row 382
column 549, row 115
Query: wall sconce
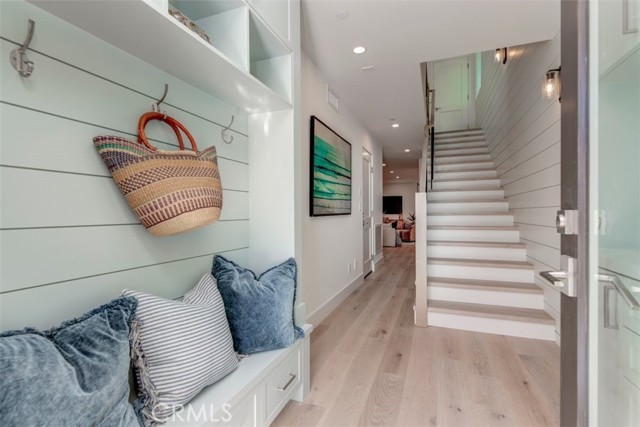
column 501, row 55
column 551, row 84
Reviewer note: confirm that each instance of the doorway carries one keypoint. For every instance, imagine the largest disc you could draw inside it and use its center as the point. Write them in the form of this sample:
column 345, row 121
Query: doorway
column 451, row 84
column 367, row 213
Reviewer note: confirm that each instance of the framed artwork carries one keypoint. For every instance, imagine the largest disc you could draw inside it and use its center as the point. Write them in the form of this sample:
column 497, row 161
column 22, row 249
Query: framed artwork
column 330, row 186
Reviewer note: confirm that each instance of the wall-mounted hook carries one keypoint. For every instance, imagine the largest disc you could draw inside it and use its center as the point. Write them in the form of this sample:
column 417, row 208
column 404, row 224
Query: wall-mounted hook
column 226, row 137
column 18, row 56
column 156, row 106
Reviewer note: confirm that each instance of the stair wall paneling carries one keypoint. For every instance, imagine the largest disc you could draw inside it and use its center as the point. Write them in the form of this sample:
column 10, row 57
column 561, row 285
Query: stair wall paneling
column 523, row 134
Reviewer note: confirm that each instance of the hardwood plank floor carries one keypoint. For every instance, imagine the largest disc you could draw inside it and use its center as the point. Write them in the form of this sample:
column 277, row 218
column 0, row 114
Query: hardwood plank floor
column 371, row 367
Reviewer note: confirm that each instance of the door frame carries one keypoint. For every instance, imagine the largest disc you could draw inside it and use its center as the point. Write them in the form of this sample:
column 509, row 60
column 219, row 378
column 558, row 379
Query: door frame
column 574, row 355
column 368, row 175
column 433, row 72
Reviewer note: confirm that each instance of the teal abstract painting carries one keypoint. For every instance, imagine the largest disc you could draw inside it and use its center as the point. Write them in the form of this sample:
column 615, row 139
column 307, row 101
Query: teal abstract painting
column 330, row 186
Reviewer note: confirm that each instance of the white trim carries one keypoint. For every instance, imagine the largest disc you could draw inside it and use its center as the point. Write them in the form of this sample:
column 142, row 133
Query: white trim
column 321, row 313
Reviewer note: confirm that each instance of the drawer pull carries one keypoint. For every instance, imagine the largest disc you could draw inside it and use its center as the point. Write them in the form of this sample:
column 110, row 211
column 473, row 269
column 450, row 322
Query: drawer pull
column 291, row 378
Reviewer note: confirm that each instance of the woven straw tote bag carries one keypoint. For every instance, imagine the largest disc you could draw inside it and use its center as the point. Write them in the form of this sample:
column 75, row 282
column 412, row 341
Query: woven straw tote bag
column 169, row 191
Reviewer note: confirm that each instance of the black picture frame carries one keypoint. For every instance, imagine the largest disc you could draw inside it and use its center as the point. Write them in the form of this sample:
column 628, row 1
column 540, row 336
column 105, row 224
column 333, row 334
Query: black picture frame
column 330, row 171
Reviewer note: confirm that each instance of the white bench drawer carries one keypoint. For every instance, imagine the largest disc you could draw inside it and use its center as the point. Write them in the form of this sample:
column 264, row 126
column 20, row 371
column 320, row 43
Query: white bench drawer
column 282, row 383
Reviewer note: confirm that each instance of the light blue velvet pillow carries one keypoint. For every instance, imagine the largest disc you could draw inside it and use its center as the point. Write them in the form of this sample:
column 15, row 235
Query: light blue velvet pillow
column 72, row 375
column 259, row 310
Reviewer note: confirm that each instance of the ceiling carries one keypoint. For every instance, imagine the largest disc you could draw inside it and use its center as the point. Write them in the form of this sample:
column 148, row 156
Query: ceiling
column 399, row 35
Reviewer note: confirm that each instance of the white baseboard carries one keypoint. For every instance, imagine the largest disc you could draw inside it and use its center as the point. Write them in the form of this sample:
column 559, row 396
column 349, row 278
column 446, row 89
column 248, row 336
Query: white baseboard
column 321, row 313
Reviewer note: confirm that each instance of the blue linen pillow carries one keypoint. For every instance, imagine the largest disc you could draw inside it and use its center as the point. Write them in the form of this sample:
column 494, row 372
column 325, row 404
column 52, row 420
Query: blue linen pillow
column 259, row 309
column 72, row 375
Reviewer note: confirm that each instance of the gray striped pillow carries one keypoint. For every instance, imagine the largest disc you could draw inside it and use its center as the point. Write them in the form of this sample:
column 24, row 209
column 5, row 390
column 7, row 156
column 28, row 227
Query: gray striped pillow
column 179, row 347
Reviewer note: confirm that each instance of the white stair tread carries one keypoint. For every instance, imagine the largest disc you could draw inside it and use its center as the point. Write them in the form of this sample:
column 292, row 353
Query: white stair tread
column 488, row 285
column 463, row 162
column 447, row 156
column 474, row 227
column 470, row 213
column 519, row 265
column 453, row 190
column 469, row 201
column 469, row 170
column 466, row 179
column 449, row 132
column 472, row 147
column 492, row 311
column 506, row 245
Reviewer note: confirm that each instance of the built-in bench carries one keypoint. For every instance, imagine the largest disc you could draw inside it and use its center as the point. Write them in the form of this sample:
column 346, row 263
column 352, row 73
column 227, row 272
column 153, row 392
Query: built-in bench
column 255, row 393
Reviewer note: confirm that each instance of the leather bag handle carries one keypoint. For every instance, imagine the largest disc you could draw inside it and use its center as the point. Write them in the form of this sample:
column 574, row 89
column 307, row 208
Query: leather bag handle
column 175, row 125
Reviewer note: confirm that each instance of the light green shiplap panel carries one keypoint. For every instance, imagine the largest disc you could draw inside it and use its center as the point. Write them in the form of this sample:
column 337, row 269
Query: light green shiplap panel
column 68, row 44
column 46, row 306
column 44, row 141
column 35, row 257
column 77, row 95
column 49, row 199
column 68, row 241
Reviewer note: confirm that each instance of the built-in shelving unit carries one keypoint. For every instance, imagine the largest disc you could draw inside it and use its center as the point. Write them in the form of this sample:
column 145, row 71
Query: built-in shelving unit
column 246, row 65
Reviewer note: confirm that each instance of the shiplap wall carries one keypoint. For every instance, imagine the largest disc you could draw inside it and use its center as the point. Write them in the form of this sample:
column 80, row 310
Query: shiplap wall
column 68, row 241
column 523, row 133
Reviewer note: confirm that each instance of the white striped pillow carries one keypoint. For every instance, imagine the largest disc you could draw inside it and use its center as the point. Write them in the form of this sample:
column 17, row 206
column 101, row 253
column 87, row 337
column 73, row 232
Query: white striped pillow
column 179, row 347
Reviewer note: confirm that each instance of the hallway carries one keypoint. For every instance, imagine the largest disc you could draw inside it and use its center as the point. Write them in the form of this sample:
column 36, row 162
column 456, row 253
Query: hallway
column 371, row 366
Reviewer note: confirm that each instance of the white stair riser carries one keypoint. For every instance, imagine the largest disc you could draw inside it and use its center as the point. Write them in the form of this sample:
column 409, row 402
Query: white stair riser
column 480, row 273
column 445, row 207
column 493, row 326
column 465, row 195
column 459, row 137
column 474, row 252
column 463, row 166
column 510, row 236
column 443, row 145
column 471, row 220
column 465, row 174
column 483, row 296
column 466, row 158
column 449, row 151
column 469, row 183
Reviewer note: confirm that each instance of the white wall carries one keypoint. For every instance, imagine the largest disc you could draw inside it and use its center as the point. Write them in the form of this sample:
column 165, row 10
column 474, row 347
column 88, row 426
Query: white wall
column 408, row 192
column 330, row 243
column 523, row 133
column 68, row 240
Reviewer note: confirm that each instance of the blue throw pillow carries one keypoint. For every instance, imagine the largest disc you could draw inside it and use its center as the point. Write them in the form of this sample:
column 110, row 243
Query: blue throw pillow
column 259, row 310
column 73, row 375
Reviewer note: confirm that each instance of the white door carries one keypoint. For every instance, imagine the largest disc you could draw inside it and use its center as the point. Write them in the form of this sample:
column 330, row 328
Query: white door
column 451, row 84
column 367, row 213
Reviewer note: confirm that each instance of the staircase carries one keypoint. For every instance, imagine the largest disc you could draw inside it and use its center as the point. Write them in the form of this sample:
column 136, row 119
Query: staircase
column 478, row 277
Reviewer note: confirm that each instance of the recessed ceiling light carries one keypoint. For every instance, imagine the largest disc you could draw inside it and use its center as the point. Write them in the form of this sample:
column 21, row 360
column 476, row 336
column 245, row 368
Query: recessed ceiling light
column 397, row 177
column 342, row 14
column 406, row 150
column 390, row 171
column 395, row 125
column 384, row 164
column 359, row 50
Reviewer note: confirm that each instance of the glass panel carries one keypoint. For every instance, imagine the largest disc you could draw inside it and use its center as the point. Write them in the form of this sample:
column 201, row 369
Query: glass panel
column 614, row 141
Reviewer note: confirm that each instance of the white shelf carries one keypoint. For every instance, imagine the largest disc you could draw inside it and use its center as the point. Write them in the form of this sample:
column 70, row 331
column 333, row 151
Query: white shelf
column 158, row 39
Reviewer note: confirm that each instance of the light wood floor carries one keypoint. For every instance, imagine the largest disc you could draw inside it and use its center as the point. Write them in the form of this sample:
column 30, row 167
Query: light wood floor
column 371, row 367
